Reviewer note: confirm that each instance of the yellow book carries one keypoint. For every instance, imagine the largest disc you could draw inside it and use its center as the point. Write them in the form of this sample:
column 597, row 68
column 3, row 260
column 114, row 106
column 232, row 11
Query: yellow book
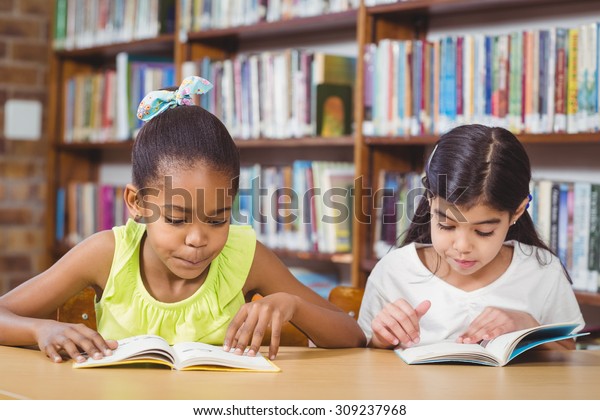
column 153, row 349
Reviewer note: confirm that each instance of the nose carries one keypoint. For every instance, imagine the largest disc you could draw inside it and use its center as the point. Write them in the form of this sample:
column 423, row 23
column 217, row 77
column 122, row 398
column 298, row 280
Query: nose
column 462, row 244
column 195, row 236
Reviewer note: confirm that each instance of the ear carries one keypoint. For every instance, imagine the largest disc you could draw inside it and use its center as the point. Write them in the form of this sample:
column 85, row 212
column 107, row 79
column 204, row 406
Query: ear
column 520, row 210
column 132, row 202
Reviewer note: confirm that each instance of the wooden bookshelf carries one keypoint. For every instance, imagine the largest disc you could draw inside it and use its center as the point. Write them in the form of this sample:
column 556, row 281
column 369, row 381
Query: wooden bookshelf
column 401, row 20
column 411, row 20
column 81, row 161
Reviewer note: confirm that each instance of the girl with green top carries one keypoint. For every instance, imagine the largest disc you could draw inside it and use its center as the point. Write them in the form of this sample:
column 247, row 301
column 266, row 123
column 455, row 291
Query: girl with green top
column 177, row 269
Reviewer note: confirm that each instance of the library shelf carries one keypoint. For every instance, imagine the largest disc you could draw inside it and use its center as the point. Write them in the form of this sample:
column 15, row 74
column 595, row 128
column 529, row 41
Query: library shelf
column 156, row 45
column 342, row 258
column 432, row 7
column 430, row 139
column 316, row 142
column 125, row 145
column 330, row 22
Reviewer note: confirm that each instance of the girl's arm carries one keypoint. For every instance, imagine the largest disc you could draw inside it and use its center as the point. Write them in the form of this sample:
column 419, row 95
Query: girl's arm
column 286, row 299
column 25, row 310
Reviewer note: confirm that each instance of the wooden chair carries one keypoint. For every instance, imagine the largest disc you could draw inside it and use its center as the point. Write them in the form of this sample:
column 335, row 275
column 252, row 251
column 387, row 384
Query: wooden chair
column 80, row 310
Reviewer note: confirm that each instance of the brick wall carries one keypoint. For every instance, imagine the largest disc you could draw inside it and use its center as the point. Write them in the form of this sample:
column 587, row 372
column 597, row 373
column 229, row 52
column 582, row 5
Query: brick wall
column 24, row 43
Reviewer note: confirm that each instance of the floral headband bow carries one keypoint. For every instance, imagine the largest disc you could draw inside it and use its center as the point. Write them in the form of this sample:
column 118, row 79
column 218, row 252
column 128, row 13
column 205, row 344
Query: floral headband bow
column 159, row 101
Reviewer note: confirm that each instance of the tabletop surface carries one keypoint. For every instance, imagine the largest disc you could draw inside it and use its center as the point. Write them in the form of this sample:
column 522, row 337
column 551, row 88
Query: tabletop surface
column 309, row 373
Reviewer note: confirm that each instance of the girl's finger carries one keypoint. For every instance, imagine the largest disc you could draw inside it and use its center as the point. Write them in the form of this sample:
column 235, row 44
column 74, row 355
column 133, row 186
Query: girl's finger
column 257, row 335
column 52, row 354
column 276, row 325
column 245, row 332
column 230, row 340
column 383, row 332
column 72, row 351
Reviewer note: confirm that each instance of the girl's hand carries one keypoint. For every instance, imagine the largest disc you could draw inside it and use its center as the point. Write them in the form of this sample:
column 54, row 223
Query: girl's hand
column 398, row 323
column 493, row 322
column 249, row 325
column 55, row 337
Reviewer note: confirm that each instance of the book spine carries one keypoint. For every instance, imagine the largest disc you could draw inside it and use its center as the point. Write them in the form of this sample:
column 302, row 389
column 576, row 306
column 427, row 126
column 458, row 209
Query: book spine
column 572, row 88
column 554, row 205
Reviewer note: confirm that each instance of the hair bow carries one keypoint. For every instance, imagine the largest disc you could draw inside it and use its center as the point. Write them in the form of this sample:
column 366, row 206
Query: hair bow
column 159, row 101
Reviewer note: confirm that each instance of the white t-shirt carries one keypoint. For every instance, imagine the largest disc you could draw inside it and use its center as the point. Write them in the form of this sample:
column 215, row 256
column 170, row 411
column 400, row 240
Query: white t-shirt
column 542, row 290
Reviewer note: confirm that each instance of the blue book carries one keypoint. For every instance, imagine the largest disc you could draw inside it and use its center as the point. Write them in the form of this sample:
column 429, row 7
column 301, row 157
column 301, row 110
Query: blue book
column 60, row 215
column 563, row 222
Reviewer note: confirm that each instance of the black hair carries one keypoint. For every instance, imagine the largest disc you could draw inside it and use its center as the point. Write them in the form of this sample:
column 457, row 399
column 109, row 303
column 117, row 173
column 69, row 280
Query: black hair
column 179, row 137
column 473, row 165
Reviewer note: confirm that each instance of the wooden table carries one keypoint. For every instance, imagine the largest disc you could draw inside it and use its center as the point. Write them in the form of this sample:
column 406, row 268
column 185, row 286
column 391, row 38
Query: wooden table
column 345, row 374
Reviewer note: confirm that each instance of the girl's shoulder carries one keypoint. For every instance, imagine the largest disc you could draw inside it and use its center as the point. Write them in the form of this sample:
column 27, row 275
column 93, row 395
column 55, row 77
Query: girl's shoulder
column 530, row 260
column 92, row 258
column 405, row 258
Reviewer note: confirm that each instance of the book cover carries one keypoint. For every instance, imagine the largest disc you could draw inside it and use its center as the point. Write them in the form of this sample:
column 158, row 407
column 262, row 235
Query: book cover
column 497, row 352
column 152, row 349
column 334, row 110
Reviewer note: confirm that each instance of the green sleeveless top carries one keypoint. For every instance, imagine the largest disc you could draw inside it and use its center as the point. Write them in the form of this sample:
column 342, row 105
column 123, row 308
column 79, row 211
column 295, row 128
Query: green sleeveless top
column 126, row 308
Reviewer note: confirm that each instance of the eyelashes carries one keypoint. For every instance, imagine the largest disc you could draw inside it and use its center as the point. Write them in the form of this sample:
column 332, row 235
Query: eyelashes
column 478, row 232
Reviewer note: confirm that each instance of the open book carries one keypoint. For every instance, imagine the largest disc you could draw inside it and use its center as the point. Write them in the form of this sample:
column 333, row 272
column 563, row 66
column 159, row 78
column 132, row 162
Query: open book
column 180, row 356
column 496, row 352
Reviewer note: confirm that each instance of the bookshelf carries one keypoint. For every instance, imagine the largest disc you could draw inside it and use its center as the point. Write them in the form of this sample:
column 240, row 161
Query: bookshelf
column 404, row 20
column 417, row 20
column 85, row 161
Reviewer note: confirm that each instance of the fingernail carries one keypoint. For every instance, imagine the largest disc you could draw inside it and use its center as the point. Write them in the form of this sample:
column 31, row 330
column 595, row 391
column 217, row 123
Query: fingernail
column 97, row 355
column 80, row 359
column 272, row 357
column 395, row 342
column 108, row 352
column 416, row 340
column 57, row 359
column 251, row 353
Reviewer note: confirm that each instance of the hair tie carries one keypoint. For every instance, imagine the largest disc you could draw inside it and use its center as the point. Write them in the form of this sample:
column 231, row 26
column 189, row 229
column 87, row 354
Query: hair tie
column 530, row 197
column 158, row 101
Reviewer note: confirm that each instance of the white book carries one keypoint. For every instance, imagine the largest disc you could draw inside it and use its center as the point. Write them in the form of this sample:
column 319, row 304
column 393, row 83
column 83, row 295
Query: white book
column 544, row 205
column 152, row 349
column 122, row 97
column 496, row 352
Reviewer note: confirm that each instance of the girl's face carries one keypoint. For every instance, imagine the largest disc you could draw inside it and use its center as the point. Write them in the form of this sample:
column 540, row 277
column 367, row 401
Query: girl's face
column 469, row 241
column 187, row 221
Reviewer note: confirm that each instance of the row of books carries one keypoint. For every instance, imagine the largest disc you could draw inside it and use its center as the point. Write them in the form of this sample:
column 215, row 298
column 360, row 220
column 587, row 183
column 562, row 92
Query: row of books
column 101, row 106
column 199, row 15
column 303, row 207
column 83, row 208
column 566, row 216
column 280, row 94
column 534, row 81
column 88, row 23
column 394, row 203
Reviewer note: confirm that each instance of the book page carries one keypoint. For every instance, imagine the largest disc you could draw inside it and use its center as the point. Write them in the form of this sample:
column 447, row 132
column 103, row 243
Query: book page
column 447, row 351
column 509, row 345
column 141, row 347
column 200, row 354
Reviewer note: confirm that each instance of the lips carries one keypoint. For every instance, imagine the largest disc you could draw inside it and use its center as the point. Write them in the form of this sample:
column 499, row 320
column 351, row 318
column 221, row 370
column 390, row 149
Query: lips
column 465, row 263
column 191, row 261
